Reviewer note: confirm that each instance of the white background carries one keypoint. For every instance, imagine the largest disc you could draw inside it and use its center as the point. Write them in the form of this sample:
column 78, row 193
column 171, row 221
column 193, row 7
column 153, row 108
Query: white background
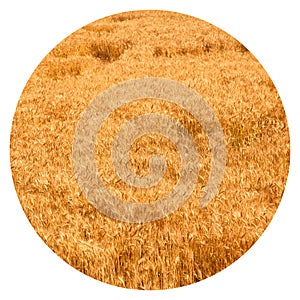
column 29, row 30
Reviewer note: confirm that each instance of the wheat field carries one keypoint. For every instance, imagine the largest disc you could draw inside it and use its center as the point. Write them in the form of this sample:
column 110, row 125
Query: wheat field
column 192, row 243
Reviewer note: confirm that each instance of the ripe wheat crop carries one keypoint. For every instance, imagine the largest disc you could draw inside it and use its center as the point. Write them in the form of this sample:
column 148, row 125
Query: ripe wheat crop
column 192, row 243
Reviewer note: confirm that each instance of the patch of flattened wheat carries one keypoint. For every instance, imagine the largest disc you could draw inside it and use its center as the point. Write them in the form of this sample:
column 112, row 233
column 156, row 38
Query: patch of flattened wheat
column 198, row 49
column 125, row 17
column 109, row 51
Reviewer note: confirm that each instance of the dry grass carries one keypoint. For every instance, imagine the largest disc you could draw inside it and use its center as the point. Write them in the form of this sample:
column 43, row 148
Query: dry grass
column 192, row 243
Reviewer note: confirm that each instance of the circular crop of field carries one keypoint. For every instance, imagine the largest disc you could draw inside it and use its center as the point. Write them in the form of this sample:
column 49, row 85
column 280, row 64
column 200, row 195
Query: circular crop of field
column 150, row 150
